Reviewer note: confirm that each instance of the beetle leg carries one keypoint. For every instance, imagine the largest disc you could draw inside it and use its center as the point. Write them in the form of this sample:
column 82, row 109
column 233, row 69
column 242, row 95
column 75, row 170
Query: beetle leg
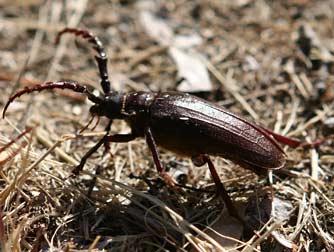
column 117, row 138
column 121, row 138
column 154, row 150
column 83, row 160
column 205, row 159
column 87, row 125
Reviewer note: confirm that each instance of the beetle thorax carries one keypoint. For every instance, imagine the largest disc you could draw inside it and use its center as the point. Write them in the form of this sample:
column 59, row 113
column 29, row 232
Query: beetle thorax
column 137, row 102
column 117, row 105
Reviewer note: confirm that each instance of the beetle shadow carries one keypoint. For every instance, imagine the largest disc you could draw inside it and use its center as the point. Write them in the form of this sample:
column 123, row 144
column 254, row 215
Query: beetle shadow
column 140, row 223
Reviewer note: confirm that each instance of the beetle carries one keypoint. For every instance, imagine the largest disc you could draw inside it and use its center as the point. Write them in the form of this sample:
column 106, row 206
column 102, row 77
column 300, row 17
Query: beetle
column 179, row 122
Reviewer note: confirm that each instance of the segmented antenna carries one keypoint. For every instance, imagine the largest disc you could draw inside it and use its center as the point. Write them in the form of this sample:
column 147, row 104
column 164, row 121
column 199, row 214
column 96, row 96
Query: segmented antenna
column 101, row 59
column 53, row 85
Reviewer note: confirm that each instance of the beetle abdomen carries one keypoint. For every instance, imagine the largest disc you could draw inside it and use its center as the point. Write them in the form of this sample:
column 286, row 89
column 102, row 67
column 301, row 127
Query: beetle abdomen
column 191, row 126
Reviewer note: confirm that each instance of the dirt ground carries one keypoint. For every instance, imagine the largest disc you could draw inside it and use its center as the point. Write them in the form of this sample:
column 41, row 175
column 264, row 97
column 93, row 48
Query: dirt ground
column 271, row 62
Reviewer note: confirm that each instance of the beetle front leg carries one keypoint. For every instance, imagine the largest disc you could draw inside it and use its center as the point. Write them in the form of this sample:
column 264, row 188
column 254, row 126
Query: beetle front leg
column 83, row 160
column 154, row 150
column 205, row 159
column 117, row 138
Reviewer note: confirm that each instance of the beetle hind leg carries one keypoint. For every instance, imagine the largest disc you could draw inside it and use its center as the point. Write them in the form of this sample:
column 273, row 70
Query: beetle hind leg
column 201, row 160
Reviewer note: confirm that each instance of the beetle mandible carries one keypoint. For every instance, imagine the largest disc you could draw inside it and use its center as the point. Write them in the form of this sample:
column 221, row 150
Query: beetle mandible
column 179, row 122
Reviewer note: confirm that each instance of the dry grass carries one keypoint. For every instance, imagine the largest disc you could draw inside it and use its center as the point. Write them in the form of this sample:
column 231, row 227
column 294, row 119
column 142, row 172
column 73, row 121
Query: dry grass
column 258, row 70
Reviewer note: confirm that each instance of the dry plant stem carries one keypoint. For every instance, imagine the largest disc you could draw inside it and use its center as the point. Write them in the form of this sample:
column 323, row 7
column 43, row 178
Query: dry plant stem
column 307, row 83
column 26, row 173
column 41, row 137
column 22, row 177
column 295, row 78
column 278, row 123
column 231, row 90
column 13, row 154
column 17, row 148
column 27, row 130
column 305, row 218
column 320, row 116
column 14, row 238
column 24, row 23
column 272, row 90
column 327, row 159
column 30, row 58
column 328, row 240
column 94, row 243
column 242, row 244
column 270, row 229
column 314, row 172
column 321, row 193
column 289, row 68
column 20, row 75
column 74, row 20
column 3, row 236
column 292, row 119
column 130, row 155
column 24, row 81
column 36, row 44
column 301, row 212
column 148, row 53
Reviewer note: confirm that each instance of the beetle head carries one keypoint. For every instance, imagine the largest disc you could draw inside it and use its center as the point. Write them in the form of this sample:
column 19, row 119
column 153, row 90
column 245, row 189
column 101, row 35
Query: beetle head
column 110, row 106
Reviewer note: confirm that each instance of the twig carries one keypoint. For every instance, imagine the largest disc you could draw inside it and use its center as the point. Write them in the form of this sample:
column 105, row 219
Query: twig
column 232, row 89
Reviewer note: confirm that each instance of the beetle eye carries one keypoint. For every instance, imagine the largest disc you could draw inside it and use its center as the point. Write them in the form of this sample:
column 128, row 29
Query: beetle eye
column 94, row 110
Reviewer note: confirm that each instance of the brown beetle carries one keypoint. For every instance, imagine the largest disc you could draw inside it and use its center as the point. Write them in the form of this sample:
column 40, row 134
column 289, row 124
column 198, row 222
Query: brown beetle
column 179, row 122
